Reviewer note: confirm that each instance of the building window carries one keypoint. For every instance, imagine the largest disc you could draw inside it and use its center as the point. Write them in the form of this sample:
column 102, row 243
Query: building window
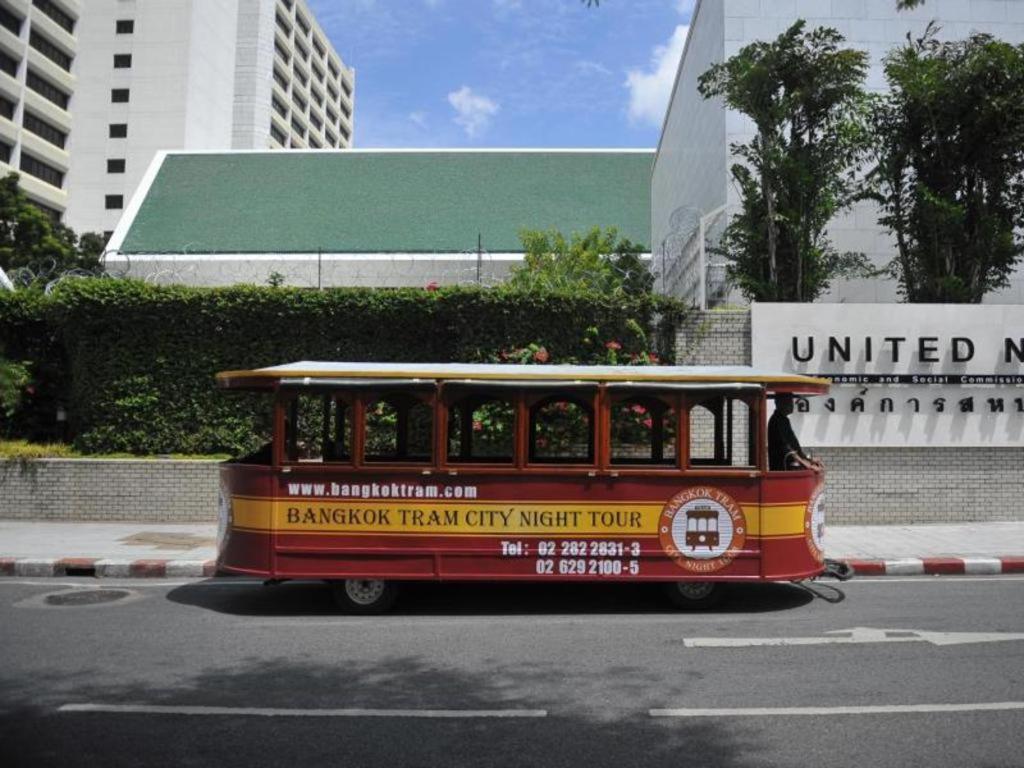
column 332, row 93
column 345, row 132
column 281, row 80
column 318, row 98
column 302, row 50
column 281, row 51
column 49, row 50
column 119, row 130
column 8, row 64
column 122, row 61
column 346, row 110
column 335, row 72
column 332, row 140
column 115, row 165
column 316, row 121
column 44, row 130
column 318, row 72
column 113, row 202
column 7, row 107
column 280, row 108
column 319, row 48
column 53, row 214
column 5, row 152
column 119, row 96
column 297, row 127
column 56, row 13
column 125, row 26
column 9, row 20
column 284, row 25
column 314, row 143
column 302, row 22
column 47, row 90
column 299, row 102
column 41, row 170
column 278, row 135
column 301, row 76
column 332, row 116
column 346, row 88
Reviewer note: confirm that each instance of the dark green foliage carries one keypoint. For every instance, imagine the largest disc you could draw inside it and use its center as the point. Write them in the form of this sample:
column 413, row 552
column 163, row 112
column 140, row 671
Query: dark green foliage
column 136, row 362
column 804, row 94
column 951, row 165
column 30, row 241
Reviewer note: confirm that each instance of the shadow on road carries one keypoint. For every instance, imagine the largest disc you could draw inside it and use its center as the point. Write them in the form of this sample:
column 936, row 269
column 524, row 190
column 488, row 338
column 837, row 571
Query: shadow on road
column 577, row 732
column 480, row 599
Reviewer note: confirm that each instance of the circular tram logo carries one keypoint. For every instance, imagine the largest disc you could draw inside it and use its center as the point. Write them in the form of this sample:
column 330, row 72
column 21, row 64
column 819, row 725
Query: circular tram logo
column 814, row 523
column 702, row 529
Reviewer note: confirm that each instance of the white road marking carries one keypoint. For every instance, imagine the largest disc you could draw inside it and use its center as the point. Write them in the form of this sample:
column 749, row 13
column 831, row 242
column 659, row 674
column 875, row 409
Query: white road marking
column 857, row 636
column 889, row 709
column 159, row 709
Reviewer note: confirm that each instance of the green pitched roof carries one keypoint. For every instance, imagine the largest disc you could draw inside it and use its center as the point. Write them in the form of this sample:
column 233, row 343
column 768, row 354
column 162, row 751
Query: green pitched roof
column 386, row 202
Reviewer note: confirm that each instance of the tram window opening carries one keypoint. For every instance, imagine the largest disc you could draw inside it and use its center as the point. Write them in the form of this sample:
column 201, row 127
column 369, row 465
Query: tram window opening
column 561, row 431
column 482, row 429
column 318, row 428
column 398, row 428
column 723, row 432
column 643, row 432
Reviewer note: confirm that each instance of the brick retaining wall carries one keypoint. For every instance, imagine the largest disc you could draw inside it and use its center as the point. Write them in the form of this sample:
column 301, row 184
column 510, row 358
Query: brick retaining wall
column 109, row 489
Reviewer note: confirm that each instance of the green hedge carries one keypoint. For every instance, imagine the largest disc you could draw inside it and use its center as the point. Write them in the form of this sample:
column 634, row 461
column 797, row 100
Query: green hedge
column 134, row 363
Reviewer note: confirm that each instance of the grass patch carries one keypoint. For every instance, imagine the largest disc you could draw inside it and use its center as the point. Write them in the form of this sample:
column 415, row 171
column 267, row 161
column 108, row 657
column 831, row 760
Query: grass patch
column 23, row 450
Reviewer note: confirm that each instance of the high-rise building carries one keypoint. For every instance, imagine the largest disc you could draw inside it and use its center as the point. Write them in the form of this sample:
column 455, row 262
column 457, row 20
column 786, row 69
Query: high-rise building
column 37, row 54
column 151, row 75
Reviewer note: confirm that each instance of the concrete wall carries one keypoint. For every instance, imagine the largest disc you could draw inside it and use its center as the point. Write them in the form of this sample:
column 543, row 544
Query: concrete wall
column 109, row 489
column 882, row 485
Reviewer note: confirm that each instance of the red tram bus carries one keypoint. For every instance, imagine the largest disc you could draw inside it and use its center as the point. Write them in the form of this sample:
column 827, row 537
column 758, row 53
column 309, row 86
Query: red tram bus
column 384, row 473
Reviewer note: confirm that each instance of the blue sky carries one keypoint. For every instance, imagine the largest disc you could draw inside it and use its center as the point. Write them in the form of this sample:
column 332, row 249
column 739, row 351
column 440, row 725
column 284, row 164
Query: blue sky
column 508, row 73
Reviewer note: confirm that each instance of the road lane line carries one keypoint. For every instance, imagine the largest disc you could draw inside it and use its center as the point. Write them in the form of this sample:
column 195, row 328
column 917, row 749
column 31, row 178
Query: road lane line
column 160, row 709
column 886, row 709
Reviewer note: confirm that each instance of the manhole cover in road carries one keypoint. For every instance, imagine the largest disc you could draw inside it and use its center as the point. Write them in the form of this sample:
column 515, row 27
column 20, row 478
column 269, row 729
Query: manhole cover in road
column 87, row 597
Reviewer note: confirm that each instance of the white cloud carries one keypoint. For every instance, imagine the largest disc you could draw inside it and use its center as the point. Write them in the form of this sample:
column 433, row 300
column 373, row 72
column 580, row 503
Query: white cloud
column 419, row 118
column 649, row 90
column 685, row 7
column 472, row 111
column 587, row 67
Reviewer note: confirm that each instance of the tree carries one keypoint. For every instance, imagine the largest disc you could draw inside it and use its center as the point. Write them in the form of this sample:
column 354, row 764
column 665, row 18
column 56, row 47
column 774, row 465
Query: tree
column 804, row 94
column 950, row 147
column 598, row 261
column 30, row 239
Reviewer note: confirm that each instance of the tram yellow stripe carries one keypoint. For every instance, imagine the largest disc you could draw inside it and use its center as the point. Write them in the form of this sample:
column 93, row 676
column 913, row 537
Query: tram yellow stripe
column 480, row 518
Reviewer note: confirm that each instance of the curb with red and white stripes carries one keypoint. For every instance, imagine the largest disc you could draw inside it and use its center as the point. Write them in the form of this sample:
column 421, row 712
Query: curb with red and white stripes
column 937, row 566
column 105, row 568
column 134, row 569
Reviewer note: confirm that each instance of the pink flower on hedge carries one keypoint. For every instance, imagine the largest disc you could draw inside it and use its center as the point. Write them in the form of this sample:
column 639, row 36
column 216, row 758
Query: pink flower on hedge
column 612, row 345
column 541, row 355
column 648, row 422
column 432, row 285
column 478, row 426
column 638, row 409
column 653, row 358
column 30, row 389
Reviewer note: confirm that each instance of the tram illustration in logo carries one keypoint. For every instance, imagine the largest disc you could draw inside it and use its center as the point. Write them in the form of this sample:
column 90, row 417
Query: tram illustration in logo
column 814, row 523
column 702, row 529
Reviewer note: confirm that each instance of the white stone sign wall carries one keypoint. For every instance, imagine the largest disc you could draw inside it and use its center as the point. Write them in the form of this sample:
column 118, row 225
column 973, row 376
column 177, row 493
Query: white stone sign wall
column 903, row 374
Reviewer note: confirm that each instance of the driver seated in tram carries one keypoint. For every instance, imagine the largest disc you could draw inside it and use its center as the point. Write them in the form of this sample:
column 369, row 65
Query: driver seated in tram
column 784, row 451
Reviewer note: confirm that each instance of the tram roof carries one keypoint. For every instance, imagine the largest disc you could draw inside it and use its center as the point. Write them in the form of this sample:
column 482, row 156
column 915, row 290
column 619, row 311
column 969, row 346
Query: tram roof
column 316, row 373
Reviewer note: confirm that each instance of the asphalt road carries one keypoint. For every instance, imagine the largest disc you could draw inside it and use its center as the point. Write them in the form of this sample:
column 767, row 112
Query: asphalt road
column 233, row 673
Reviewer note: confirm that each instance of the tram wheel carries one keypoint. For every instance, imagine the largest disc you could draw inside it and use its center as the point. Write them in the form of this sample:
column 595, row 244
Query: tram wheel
column 695, row 595
column 364, row 596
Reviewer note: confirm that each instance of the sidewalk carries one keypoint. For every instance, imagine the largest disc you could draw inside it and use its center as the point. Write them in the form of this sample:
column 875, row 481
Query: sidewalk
column 176, row 550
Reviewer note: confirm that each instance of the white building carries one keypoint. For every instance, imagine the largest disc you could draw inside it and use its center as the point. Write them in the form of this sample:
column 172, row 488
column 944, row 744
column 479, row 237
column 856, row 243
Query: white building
column 691, row 181
column 37, row 51
column 151, row 75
